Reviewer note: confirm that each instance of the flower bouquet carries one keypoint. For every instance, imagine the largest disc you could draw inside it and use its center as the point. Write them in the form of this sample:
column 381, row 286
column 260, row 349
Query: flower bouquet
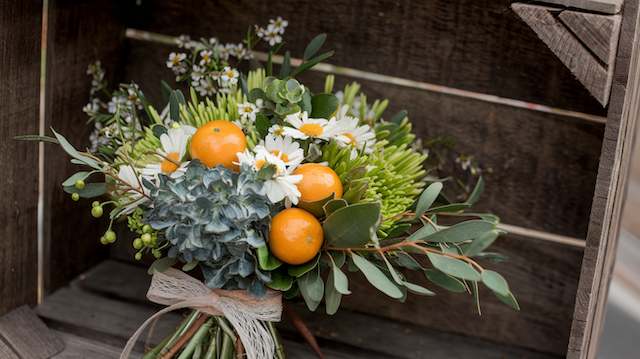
column 264, row 188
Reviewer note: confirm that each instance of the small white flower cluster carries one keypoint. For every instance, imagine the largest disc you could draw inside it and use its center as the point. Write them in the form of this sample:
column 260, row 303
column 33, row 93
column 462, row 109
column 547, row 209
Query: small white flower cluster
column 273, row 32
column 248, row 111
column 98, row 81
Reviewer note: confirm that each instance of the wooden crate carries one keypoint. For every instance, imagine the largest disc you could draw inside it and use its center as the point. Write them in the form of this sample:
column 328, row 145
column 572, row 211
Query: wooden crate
column 521, row 86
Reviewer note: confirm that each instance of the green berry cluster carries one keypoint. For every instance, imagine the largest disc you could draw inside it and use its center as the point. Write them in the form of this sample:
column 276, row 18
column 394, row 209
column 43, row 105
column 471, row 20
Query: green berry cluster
column 148, row 237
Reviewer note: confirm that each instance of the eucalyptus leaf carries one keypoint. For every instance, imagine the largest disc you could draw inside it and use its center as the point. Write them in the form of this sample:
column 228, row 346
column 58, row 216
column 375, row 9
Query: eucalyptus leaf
column 285, row 68
column 333, row 205
column 265, row 260
column 453, row 207
column 399, row 230
column 90, row 190
column 427, row 198
column 311, row 288
column 314, row 45
column 351, row 226
column 78, row 176
column 407, row 261
column 305, row 104
column 36, row 138
column 481, row 243
column 460, row 232
column 495, row 282
column 332, row 296
column 376, row 277
column 175, row 100
column 509, row 300
column 71, row 151
column 453, row 267
column 317, row 207
column 323, row 105
column 477, row 192
column 476, row 296
column 280, row 281
column 311, row 63
column 298, row 271
column 190, row 266
column 422, row 232
column 445, row 281
column 417, row 289
column 340, row 280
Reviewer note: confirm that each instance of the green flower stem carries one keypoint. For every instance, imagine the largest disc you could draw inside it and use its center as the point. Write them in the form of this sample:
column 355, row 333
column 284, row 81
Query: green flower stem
column 227, row 347
column 277, row 340
column 196, row 340
column 212, row 351
column 152, row 354
column 181, row 329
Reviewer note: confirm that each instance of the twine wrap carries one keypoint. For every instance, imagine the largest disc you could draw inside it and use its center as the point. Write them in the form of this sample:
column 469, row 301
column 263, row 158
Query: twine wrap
column 245, row 312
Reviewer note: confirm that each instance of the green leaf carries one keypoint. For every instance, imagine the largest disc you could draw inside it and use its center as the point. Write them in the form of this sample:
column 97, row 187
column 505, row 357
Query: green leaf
column 314, row 45
column 262, row 124
column 453, row 207
column 476, row 296
column 312, row 289
column 454, row 267
column 399, row 230
column 78, row 176
column 256, row 94
column 417, row 289
column 460, row 232
column 492, row 256
column 161, row 265
column 175, row 100
column 407, row 261
column 189, row 266
column 495, row 282
column 351, row 226
column 332, row 296
column 317, row 207
column 333, row 205
column 158, row 130
column 477, row 192
column 90, row 190
column 376, row 277
column 509, row 300
column 311, row 63
column 280, row 281
column 265, row 260
column 298, row 271
column 36, row 138
column 166, row 90
column 305, row 104
column 423, row 232
column 340, row 280
column 427, row 198
column 71, row 151
column 445, row 281
column 323, row 105
column 398, row 117
column 481, row 243
column 285, row 68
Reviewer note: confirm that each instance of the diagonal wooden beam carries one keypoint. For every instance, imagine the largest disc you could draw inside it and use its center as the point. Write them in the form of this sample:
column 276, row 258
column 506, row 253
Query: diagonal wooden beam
column 586, row 43
column 603, row 6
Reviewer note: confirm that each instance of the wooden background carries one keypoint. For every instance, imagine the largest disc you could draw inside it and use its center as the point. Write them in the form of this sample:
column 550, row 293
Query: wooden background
column 544, row 164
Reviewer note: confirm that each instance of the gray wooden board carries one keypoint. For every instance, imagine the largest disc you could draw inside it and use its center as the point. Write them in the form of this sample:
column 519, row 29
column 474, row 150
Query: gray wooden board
column 476, row 45
column 19, row 75
column 79, row 33
column 108, row 279
column 608, row 198
column 604, row 6
column 77, row 347
column 28, row 336
column 6, row 352
column 543, row 165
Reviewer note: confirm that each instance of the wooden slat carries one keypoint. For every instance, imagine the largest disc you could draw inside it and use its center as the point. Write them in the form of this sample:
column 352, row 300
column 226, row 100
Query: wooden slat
column 28, row 336
column 542, row 164
column 345, row 328
column 604, row 6
column 610, row 190
column 19, row 99
column 599, row 33
column 79, row 33
column 77, row 347
column 6, row 352
column 476, row 45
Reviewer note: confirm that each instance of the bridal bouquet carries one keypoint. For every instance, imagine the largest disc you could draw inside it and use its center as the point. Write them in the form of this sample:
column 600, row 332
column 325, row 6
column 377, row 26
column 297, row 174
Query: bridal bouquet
column 264, row 188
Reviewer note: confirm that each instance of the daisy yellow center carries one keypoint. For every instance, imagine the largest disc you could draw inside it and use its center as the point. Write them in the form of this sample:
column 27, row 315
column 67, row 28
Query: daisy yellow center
column 278, row 131
column 351, row 137
column 248, row 109
column 230, row 74
column 260, row 163
column 311, row 129
column 283, row 156
column 168, row 164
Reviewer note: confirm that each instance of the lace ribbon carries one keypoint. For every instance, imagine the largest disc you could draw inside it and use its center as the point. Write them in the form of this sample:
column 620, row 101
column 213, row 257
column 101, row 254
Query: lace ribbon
column 245, row 312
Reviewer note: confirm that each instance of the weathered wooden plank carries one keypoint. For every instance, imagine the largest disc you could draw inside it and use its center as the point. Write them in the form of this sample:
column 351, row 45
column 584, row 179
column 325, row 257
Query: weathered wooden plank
column 346, row 328
column 79, row 34
column 598, row 32
column 19, row 99
column 582, row 63
column 6, row 352
column 28, row 336
column 77, row 347
column 476, row 45
column 542, row 165
column 610, row 190
column 604, row 6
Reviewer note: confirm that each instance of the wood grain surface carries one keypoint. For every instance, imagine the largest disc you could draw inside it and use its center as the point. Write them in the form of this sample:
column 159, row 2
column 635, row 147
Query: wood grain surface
column 28, row 336
column 19, row 100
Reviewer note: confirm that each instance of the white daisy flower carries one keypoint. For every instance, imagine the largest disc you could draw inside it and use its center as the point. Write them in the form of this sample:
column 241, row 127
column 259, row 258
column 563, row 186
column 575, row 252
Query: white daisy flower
column 240, row 52
column 197, row 73
column 222, row 51
column 282, row 185
column 284, row 148
column 277, row 130
column 171, row 153
column 271, row 35
column 247, row 111
column 132, row 188
column 279, row 24
column 206, row 87
column 176, row 59
column 183, row 41
column 206, row 57
column 348, row 133
column 305, row 127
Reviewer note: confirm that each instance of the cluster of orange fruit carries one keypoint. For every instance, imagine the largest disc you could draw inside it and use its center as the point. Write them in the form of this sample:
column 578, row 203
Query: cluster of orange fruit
column 295, row 235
